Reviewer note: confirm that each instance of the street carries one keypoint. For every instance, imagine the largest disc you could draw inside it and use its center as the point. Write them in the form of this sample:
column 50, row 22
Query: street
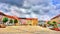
column 26, row 30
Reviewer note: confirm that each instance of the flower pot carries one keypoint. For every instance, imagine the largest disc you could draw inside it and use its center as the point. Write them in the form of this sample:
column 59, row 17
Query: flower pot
column 56, row 29
column 2, row 25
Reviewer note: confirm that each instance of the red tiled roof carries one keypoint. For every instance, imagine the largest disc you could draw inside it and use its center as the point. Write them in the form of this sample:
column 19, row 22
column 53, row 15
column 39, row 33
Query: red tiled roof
column 56, row 16
column 2, row 13
column 10, row 17
column 14, row 17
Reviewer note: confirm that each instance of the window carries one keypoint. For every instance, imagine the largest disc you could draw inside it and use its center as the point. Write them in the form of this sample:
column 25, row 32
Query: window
column 58, row 25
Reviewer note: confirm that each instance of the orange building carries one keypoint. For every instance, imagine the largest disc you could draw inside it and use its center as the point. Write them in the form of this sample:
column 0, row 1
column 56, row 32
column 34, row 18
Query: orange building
column 56, row 19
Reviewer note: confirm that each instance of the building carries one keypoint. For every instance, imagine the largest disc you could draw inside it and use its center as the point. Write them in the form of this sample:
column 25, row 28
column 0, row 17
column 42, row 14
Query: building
column 28, row 21
column 57, row 20
column 21, row 21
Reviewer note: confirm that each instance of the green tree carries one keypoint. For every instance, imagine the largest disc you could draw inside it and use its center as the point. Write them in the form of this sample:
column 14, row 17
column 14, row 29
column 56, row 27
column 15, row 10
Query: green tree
column 52, row 24
column 15, row 21
column 5, row 19
column 55, row 24
column 11, row 21
column 48, row 22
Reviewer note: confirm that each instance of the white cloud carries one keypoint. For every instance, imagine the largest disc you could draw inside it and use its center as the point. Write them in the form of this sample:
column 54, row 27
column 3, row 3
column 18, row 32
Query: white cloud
column 41, row 9
column 44, row 17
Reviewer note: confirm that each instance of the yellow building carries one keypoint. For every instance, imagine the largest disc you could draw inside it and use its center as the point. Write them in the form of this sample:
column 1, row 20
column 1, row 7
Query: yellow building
column 29, row 21
column 34, row 22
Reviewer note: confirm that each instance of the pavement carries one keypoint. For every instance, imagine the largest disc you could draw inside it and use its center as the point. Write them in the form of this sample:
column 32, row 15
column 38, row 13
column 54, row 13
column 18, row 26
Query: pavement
column 26, row 30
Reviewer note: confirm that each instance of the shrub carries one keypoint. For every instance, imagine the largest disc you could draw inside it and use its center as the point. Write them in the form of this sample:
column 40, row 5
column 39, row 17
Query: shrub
column 5, row 19
column 11, row 21
column 15, row 21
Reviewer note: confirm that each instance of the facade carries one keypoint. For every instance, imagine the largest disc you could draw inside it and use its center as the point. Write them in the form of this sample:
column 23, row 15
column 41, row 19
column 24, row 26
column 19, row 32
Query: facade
column 21, row 21
column 28, row 21
column 57, row 20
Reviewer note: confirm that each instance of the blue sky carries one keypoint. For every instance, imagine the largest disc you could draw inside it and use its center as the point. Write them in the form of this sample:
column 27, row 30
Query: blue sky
column 56, row 2
column 41, row 9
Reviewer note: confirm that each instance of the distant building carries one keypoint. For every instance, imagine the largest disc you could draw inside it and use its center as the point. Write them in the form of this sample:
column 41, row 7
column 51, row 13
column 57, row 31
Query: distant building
column 21, row 21
column 42, row 23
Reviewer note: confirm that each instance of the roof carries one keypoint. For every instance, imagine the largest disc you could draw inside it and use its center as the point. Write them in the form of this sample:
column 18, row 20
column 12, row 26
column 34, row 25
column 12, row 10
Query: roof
column 56, row 17
column 2, row 13
column 10, row 17
column 28, row 18
column 15, row 17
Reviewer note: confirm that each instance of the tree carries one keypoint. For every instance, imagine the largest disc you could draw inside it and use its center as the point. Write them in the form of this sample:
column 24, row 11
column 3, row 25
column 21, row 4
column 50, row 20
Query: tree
column 11, row 21
column 48, row 22
column 15, row 21
column 5, row 19
column 51, row 24
column 55, row 24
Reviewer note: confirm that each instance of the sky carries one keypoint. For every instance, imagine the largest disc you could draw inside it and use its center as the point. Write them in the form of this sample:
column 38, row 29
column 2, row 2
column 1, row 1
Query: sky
column 41, row 9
